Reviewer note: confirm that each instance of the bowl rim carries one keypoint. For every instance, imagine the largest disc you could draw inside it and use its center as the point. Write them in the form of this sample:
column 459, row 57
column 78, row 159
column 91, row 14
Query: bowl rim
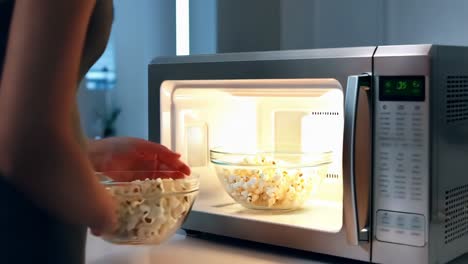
column 319, row 158
column 193, row 178
column 225, row 152
column 151, row 196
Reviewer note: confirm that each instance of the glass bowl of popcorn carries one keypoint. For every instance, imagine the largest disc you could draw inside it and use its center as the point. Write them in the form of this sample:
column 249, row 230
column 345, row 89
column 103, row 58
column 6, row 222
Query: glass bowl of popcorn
column 151, row 205
column 270, row 180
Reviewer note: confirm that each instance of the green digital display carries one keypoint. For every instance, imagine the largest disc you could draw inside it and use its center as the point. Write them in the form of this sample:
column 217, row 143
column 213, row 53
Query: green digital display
column 402, row 88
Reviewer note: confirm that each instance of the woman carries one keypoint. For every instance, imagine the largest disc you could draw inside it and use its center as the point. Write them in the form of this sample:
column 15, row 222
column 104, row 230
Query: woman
column 48, row 191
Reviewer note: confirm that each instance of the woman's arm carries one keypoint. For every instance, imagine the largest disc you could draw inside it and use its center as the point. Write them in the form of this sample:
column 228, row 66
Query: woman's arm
column 79, row 135
column 39, row 150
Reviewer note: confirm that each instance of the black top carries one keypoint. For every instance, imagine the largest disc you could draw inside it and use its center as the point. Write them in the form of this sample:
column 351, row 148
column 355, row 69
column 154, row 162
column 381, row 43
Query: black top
column 32, row 235
column 6, row 10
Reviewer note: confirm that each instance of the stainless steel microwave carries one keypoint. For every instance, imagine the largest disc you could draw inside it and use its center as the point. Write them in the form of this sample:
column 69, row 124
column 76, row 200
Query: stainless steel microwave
column 357, row 152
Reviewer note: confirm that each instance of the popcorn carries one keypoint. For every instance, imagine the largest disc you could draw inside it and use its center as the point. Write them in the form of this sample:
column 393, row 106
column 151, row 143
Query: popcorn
column 270, row 185
column 148, row 211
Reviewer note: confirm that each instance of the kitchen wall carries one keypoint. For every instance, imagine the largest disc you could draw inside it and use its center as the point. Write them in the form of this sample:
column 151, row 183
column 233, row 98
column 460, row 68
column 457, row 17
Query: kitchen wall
column 234, row 26
column 335, row 23
column 426, row 21
column 203, row 26
column 146, row 29
column 91, row 104
column 142, row 31
column 330, row 23
column 246, row 25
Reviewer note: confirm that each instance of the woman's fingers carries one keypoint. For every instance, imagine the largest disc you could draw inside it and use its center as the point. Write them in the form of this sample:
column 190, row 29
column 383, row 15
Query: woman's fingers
column 166, row 160
column 171, row 163
column 169, row 175
column 148, row 149
column 141, row 155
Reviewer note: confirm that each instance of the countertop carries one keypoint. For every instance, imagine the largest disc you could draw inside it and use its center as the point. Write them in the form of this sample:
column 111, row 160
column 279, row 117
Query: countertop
column 181, row 249
column 186, row 249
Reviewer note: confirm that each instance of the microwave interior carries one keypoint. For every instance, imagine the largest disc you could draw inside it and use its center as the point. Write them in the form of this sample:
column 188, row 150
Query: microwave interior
column 241, row 118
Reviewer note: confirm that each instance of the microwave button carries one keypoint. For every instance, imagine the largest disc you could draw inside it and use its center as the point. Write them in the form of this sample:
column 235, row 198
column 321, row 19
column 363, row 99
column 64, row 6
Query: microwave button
column 400, row 182
column 417, row 181
column 400, row 228
column 400, row 188
column 400, row 221
column 386, row 144
column 417, row 124
column 385, row 230
column 416, row 197
column 416, row 220
column 384, row 153
column 385, row 125
column 400, row 122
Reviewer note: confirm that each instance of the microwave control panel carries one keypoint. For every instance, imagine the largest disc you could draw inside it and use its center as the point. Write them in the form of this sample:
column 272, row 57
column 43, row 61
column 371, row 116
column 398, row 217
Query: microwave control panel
column 401, row 160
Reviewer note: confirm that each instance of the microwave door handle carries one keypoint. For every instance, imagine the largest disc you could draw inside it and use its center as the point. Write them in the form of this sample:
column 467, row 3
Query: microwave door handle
column 349, row 177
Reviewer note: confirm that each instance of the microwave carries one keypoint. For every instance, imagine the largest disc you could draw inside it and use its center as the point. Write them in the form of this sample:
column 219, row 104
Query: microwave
column 379, row 134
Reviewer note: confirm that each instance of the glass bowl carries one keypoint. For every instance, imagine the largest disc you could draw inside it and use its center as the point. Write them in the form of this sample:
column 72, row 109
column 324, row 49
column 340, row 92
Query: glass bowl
column 149, row 211
column 270, row 180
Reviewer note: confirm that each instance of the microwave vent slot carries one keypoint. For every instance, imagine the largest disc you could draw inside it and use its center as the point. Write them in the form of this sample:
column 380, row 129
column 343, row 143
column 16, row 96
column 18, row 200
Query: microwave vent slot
column 456, row 213
column 326, row 113
column 332, row 176
column 457, row 98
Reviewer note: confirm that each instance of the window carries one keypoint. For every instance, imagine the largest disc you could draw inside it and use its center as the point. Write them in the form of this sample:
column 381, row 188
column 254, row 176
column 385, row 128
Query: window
column 101, row 76
column 182, row 27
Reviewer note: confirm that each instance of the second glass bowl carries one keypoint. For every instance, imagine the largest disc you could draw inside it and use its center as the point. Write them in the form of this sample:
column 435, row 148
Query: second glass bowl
column 270, row 180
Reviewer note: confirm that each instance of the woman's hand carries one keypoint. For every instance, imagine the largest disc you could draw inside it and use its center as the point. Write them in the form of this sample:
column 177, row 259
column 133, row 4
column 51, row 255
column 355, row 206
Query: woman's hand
column 132, row 154
column 117, row 155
